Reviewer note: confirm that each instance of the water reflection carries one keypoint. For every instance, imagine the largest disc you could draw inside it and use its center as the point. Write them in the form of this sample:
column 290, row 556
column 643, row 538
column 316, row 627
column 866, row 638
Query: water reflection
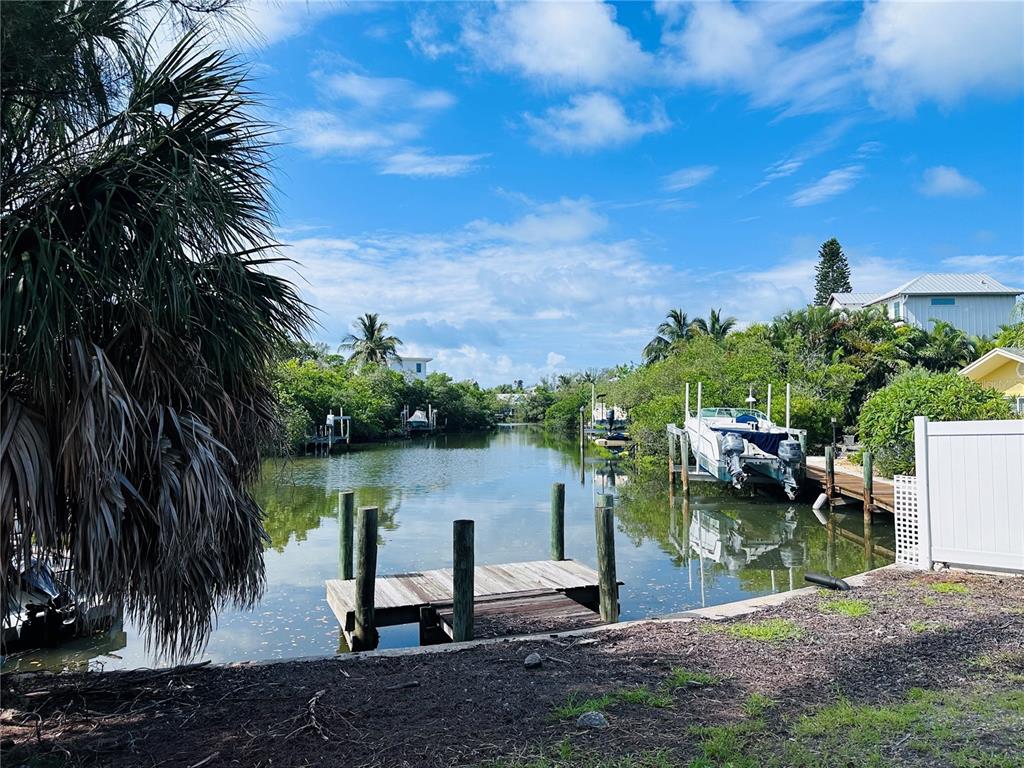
column 671, row 555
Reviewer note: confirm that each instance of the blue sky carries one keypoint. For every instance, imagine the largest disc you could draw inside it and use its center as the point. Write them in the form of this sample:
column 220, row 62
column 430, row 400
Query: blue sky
column 526, row 189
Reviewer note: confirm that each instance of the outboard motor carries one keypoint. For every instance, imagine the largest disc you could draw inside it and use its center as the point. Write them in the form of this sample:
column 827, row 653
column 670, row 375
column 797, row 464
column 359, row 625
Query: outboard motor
column 792, row 458
column 732, row 449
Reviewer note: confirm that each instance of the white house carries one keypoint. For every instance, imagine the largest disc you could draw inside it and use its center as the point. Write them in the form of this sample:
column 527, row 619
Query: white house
column 411, row 367
column 849, row 300
column 975, row 303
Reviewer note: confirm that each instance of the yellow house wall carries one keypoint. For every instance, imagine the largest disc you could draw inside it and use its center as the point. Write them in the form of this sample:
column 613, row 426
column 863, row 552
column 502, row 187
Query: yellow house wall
column 1007, row 378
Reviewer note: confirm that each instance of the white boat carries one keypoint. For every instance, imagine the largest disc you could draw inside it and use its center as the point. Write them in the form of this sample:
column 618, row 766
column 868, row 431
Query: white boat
column 743, row 446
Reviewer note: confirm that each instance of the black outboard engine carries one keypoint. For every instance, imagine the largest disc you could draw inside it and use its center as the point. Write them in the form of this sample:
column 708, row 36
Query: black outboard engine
column 732, row 449
column 792, row 458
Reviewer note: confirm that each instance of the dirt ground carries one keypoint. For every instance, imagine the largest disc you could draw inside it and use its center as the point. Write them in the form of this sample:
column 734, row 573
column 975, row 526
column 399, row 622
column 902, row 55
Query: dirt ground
column 481, row 706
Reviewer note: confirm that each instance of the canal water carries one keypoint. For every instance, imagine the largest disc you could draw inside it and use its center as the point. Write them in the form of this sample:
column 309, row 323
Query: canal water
column 670, row 556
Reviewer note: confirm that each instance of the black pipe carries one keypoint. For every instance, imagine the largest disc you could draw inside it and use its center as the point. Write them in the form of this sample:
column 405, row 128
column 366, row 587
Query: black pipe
column 827, row 581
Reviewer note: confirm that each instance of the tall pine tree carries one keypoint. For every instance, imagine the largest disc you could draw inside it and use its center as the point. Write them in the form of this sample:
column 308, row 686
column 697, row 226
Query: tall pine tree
column 833, row 273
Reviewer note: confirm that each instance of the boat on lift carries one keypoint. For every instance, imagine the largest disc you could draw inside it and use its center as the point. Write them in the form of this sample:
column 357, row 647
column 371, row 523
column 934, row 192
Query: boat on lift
column 744, row 447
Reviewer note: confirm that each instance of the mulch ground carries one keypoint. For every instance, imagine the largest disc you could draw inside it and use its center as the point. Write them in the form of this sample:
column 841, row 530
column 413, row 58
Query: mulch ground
column 465, row 707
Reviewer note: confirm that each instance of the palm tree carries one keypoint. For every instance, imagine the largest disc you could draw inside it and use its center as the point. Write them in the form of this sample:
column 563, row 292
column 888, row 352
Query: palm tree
column 139, row 317
column 371, row 343
column 947, row 348
column 714, row 326
column 675, row 328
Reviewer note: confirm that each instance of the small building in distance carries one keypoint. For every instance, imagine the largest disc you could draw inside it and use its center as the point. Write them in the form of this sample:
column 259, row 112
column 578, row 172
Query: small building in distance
column 411, row 367
column 975, row 303
column 1003, row 369
column 850, row 300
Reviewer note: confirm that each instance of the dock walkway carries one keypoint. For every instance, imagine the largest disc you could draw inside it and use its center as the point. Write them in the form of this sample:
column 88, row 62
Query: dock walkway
column 398, row 598
column 850, row 483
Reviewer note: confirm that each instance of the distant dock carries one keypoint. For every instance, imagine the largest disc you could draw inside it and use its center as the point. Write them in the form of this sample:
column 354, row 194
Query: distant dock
column 848, row 484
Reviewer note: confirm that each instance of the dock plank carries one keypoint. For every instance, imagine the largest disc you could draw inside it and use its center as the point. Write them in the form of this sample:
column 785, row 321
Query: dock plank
column 398, row 597
column 541, row 610
column 851, row 485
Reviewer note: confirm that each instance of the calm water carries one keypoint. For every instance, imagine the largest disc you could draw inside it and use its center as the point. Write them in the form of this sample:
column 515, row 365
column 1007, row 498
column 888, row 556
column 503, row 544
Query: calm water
column 671, row 557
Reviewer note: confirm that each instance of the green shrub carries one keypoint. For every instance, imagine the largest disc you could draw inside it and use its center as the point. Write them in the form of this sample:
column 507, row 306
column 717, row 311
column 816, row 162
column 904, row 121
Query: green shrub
column 563, row 416
column 887, row 418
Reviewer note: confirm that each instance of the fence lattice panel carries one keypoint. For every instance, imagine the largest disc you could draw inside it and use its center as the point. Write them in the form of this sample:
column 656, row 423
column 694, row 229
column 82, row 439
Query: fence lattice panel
column 907, row 520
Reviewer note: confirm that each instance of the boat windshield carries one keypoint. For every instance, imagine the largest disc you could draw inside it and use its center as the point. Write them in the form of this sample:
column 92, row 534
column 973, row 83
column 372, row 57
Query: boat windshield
column 732, row 413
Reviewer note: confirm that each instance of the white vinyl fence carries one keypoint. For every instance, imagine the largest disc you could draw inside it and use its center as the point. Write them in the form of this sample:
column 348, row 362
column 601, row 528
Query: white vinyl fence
column 970, row 494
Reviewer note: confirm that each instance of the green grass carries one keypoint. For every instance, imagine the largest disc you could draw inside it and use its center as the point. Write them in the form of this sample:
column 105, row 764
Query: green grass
column 918, row 627
column 757, row 705
column 930, row 601
column 683, row 678
column 925, row 728
column 767, row 631
column 846, row 606
column 644, row 697
column 576, row 704
column 949, row 588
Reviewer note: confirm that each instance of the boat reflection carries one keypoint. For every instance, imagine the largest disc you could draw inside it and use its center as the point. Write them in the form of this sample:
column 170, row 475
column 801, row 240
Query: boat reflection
column 767, row 552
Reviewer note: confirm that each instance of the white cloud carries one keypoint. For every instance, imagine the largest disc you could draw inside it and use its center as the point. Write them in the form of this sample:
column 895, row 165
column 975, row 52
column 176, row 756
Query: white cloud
column 833, row 183
column 416, row 163
column 565, row 44
column 378, row 119
column 1005, row 268
column 946, row 181
column 763, row 49
column 685, row 178
column 323, row 133
column 426, row 36
column 491, row 300
column 375, row 93
column 246, row 26
column 566, row 221
column 591, row 121
column 790, row 283
column 941, row 51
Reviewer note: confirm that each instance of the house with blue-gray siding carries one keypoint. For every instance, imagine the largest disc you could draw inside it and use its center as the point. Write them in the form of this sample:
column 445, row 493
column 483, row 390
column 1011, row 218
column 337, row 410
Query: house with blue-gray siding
column 977, row 304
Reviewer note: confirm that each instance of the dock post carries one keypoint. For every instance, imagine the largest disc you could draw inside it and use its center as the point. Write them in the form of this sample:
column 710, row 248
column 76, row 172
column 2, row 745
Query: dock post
column 558, row 521
column 684, row 460
column 671, row 458
column 462, row 580
column 365, row 637
column 607, row 582
column 830, row 471
column 346, row 524
column 869, row 484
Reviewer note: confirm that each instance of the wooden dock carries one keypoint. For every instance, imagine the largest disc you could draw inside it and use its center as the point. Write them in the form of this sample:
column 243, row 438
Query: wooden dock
column 850, row 484
column 551, row 591
column 533, row 612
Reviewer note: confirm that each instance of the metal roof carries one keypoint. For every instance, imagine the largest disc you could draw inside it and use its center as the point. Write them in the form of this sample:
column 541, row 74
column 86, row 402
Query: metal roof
column 951, row 283
column 854, row 298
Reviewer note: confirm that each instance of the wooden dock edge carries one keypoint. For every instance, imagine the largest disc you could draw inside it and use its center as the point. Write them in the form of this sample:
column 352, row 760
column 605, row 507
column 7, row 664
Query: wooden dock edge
column 736, row 608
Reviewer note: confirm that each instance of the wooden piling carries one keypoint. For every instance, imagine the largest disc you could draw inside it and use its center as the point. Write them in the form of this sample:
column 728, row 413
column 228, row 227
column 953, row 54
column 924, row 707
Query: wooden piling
column 558, row 521
column 869, row 484
column 684, row 449
column 462, row 580
column 671, row 459
column 830, row 471
column 604, row 519
column 346, row 527
column 364, row 636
